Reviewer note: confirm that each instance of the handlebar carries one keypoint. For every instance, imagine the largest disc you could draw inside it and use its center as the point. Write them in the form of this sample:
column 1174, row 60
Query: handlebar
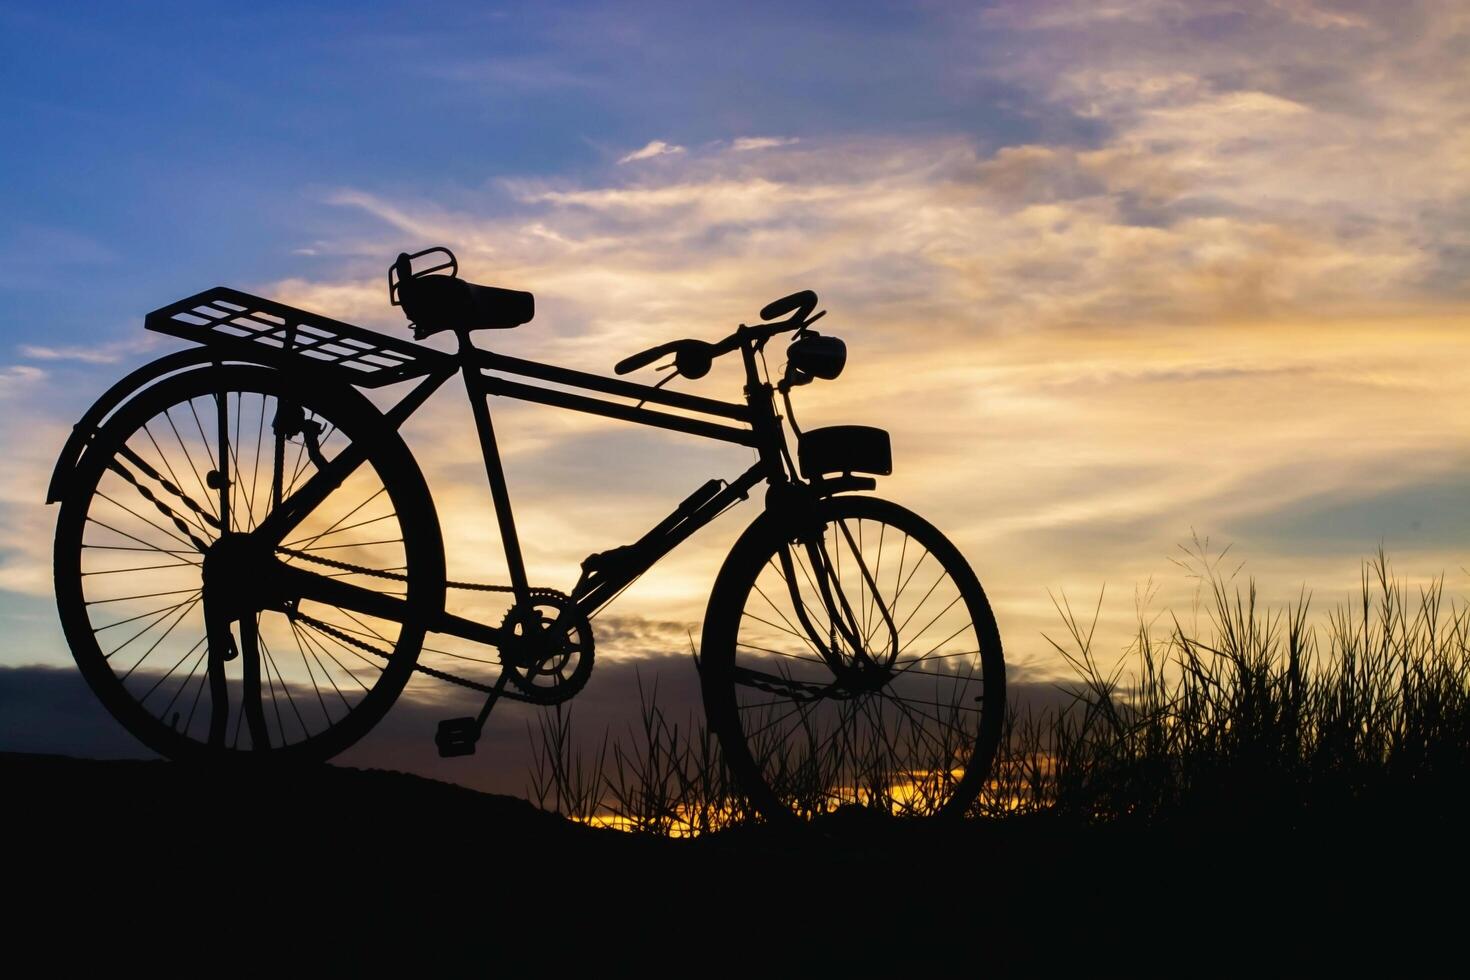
column 692, row 358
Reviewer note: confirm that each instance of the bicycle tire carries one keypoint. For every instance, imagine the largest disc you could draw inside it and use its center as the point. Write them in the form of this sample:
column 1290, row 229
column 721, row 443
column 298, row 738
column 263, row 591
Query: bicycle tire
column 111, row 521
column 802, row 739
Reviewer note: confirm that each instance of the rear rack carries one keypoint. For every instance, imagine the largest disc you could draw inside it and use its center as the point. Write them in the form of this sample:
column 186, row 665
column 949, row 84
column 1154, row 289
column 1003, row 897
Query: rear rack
column 240, row 323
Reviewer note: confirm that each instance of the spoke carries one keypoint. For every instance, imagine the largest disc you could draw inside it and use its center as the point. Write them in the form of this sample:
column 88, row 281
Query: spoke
column 232, row 450
column 345, row 646
column 932, row 704
column 133, row 619
column 199, row 691
column 149, row 652
column 255, row 470
column 267, row 663
column 755, row 734
column 197, row 514
column 898, row 575
column 165, row 614
column 792, row 589
column 920, row 728
column 933, row 673
column 190, row 459
column 163, row 458
column 790, row 626
column 305, row 732
column 187, row 653
column 913, row 612
column 873, row 592
column 348, row 613
column 763, row 704
column 355, row 544
column 782, row 653
column 940, row 656
column 166, row 531
column 862, row 579
column 153, row 548
column 310, row 540
column 296, row 468
column 799, row 558
column 297, row 544
column 140, row 568
column 220, row 466
column 149, row 546
column 318, row 647
column 310, row 673
column 782, row 629
column 865, row 582
column 910, row 640
column 141, row 595
column 912, row 572
column 184, row 685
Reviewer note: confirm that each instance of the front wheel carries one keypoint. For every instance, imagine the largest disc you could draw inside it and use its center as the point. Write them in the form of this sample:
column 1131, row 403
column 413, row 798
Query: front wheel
column 853, row 659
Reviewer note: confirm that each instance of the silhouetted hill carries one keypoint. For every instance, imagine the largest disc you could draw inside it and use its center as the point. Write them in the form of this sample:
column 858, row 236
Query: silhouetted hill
column 354, row 866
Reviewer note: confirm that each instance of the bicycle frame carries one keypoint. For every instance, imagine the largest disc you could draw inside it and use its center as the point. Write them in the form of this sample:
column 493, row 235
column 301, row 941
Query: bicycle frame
column 484, row 373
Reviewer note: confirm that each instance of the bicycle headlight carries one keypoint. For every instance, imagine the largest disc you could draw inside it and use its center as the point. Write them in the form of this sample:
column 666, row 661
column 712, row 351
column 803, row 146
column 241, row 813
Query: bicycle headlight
column 814, row 356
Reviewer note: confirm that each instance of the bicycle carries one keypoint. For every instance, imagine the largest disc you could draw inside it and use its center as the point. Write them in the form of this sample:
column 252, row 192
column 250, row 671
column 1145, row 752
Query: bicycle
column 248, row 559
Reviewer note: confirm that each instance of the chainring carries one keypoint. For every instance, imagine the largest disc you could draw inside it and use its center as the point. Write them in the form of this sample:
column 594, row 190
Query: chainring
column 547, row 647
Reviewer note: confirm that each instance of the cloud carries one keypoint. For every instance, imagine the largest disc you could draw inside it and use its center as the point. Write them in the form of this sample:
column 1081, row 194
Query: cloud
column 1232, row 285
column 16, row 378
column 656, row 148
column 1170, row 327
column 747, row 143
column 112, row 353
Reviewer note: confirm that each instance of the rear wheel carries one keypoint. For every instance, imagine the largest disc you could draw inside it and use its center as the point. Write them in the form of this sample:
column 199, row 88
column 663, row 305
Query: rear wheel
column 860, row 664
column 180, row 478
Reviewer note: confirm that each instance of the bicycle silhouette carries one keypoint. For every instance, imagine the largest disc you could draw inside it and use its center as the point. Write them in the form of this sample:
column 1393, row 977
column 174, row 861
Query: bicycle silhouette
column 248, row 559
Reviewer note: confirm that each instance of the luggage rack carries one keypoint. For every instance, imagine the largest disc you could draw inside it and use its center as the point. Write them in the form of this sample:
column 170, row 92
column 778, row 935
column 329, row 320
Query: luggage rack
column 236, row 321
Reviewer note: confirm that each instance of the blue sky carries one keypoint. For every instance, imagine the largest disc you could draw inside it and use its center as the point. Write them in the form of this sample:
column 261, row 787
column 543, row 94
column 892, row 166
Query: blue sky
column 139, row 133
column 1113, row 273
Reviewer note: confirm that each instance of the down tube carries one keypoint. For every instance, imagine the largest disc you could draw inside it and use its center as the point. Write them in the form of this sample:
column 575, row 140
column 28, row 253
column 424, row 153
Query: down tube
column 654, row 549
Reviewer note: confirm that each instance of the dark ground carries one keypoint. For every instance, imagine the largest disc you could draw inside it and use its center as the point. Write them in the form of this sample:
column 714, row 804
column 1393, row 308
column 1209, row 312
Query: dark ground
column 152, row 864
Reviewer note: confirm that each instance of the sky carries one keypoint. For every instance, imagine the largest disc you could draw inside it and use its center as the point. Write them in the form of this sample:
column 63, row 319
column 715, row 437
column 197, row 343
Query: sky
column 1121, row 277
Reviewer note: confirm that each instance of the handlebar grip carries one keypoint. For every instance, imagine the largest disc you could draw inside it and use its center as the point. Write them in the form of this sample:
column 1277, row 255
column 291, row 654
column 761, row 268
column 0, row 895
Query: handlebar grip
column 804, row 301
column 643, row 358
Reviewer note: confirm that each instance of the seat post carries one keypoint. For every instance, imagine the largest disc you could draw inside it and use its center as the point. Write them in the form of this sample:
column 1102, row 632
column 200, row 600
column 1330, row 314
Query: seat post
column 494, row 472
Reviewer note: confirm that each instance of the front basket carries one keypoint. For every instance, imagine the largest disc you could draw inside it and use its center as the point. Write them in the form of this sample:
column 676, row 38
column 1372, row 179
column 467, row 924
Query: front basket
column 845, row 449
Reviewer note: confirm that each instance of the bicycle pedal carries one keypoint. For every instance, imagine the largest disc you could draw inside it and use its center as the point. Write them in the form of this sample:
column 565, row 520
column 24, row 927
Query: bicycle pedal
column 457, row 736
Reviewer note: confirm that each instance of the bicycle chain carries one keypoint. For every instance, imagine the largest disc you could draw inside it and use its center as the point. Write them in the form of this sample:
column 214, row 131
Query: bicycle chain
column 164, row 508
column 392, row 576
column 399, row 577
column 350, row 640
column 791, row 688
column 795, row 690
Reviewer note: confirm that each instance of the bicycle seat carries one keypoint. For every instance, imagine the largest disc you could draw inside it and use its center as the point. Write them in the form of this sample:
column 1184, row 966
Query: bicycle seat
column 434, row 303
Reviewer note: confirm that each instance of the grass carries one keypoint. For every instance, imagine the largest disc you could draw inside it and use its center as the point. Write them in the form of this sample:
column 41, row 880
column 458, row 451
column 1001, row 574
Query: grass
column 1239, row 710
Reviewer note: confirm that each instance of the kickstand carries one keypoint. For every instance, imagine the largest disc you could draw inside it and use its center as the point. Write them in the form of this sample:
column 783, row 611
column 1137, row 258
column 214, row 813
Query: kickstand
column 457, row 736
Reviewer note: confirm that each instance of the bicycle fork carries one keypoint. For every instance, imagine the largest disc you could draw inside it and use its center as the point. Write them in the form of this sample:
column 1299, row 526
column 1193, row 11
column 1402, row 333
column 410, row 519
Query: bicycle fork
column 842, row 622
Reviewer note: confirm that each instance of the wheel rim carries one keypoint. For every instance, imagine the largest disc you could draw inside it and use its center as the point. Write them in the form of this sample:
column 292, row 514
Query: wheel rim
column 151, row 504
column 904, row 720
